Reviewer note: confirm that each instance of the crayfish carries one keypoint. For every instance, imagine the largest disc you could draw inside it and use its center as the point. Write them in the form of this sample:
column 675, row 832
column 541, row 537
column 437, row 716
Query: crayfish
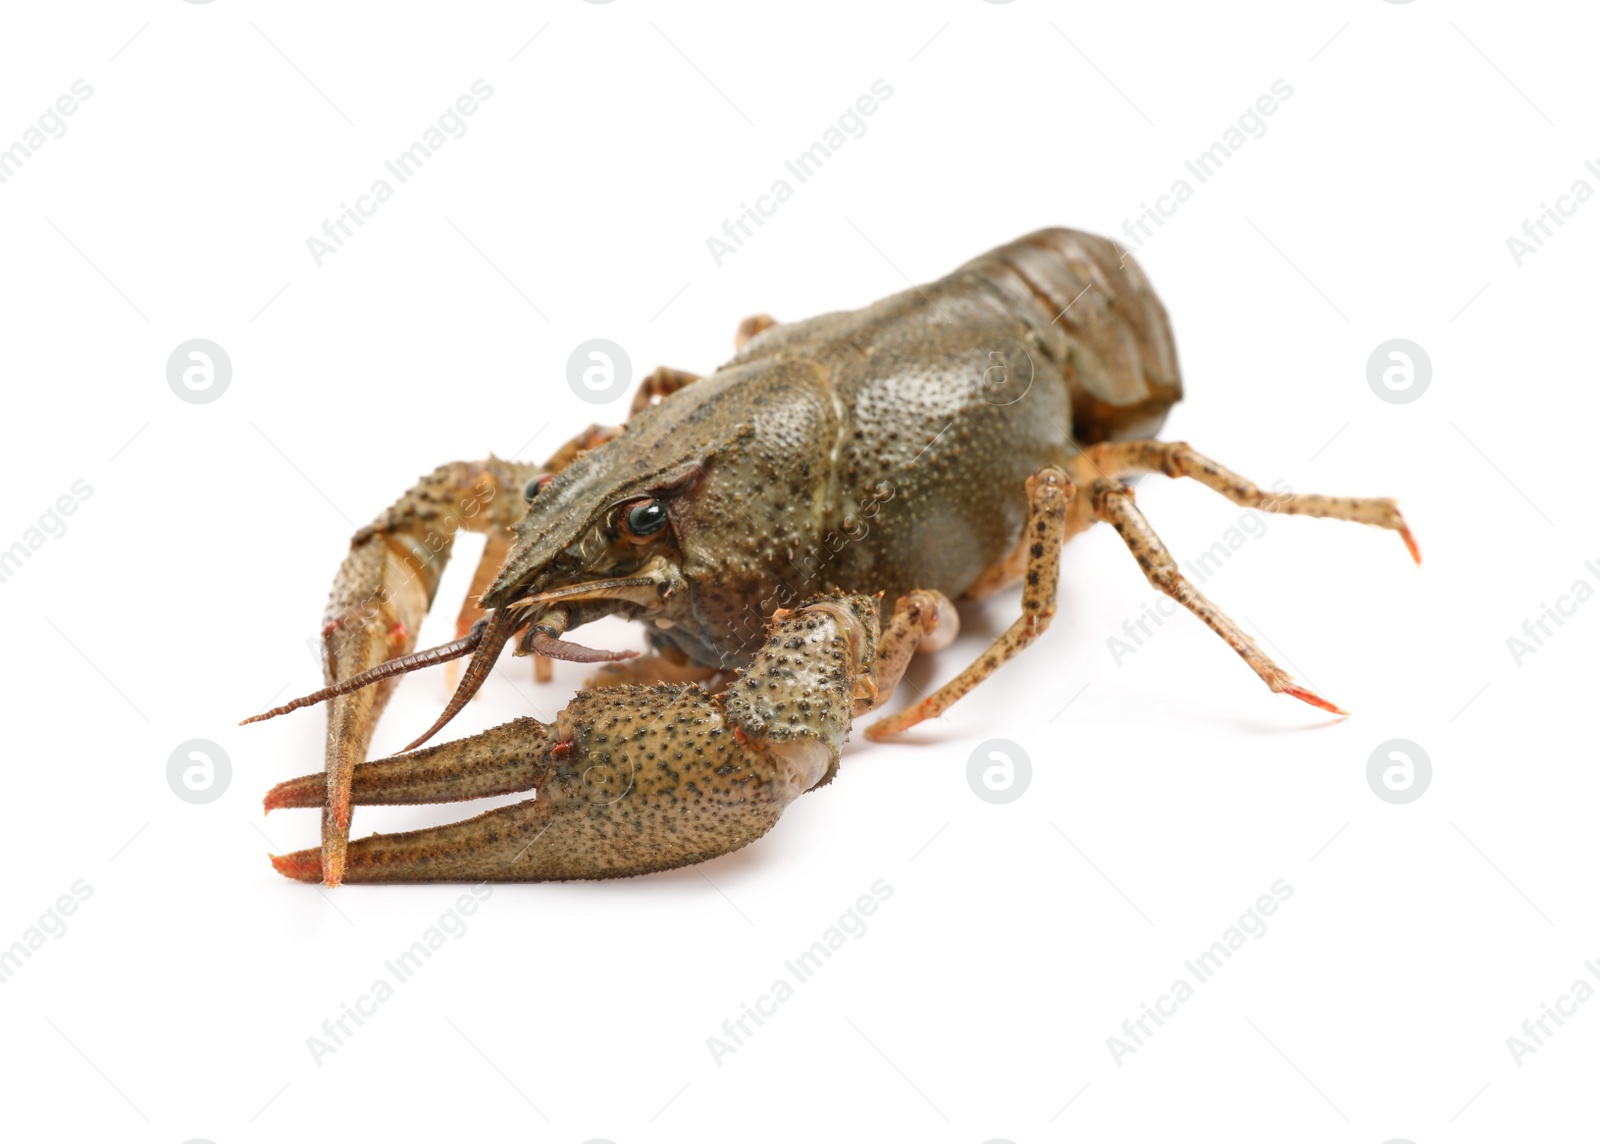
column 790, row 528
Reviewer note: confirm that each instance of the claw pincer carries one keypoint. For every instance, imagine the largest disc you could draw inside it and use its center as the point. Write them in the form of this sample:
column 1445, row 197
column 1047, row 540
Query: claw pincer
column 629, row 779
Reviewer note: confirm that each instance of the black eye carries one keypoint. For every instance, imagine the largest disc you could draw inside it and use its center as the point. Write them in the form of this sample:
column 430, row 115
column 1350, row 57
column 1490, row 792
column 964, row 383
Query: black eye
column 531, row 490
column 646, row 517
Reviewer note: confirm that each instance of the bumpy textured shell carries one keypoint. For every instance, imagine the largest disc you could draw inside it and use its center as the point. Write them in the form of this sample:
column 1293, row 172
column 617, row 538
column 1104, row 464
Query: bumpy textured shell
column 881, row 449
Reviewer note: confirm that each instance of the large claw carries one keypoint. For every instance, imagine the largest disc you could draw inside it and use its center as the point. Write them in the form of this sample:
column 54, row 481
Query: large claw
column 502, row 760
column 361, row 633
column 630, row 779
column 378, row 601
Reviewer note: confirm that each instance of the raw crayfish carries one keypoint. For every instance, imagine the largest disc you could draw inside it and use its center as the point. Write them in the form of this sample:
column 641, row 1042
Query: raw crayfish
column 790, row 528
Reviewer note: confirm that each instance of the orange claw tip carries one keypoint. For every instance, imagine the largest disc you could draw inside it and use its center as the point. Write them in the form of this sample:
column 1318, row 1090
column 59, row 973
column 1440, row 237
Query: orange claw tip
column 332, row 860
column 1311, row 697
column 277, row 799
column 302, row 865
column 1411, row 544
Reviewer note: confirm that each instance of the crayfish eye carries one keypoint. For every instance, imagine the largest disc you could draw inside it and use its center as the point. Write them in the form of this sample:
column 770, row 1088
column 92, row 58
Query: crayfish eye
column 645, row 518
column 531, row 489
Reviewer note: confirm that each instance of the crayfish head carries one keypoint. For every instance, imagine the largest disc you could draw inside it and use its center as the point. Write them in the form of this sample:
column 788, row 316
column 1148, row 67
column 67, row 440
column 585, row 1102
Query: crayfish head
column 588, row 547
column 591, row 546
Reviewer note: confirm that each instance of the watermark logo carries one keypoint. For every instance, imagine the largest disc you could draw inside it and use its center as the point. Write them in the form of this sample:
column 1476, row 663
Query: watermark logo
column 1250, row 926
column 199, row 771
column 1153, row 614
column 1536, row 1030
column 199, row 371
column 50, row 526
column 1539, row 229
column 1399, row 371
column 851, row 124
column 1399, row 771
column 402, row 168
column 999, row 771
column 452, row 926
column 51, row 926
column 851, row 926
column 599, row 370
column 52, row 125
column 1251, row 124
column 1539, row 629
column 1000, row 384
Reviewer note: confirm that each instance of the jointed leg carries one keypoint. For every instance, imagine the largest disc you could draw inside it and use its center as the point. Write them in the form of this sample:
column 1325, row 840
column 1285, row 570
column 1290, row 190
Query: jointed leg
column 591, row 438
column 923, row 620
column 654, row 667
column 1112, row 502
column 659, row 386
column 751, row 327
column 1049, row 493
column 495, row 550
column 1116, row 459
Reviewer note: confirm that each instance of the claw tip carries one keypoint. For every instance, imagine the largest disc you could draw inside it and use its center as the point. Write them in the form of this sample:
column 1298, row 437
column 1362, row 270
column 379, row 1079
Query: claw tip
column 1307, row 696
column 302, row 865
column 1411, row 544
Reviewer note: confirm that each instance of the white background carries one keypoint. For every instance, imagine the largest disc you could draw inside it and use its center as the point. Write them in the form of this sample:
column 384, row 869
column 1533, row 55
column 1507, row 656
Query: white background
column 1164, row 800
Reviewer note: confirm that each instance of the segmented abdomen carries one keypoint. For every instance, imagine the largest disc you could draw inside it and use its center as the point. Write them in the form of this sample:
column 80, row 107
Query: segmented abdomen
column 1098, row 319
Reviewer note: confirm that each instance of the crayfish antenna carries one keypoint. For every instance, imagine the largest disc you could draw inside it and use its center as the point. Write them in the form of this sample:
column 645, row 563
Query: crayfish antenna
column 388, row 669
column 541, row 642
column 500, row 628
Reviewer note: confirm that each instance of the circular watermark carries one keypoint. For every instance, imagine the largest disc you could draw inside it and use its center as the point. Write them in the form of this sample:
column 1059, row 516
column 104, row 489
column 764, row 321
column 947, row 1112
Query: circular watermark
column 199, row 371
column 1399, row 371
column 999, row 771
column 198, row 771
column 599, row 370
column 1001, row 383
column 1398, row 771
column 605, row 784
